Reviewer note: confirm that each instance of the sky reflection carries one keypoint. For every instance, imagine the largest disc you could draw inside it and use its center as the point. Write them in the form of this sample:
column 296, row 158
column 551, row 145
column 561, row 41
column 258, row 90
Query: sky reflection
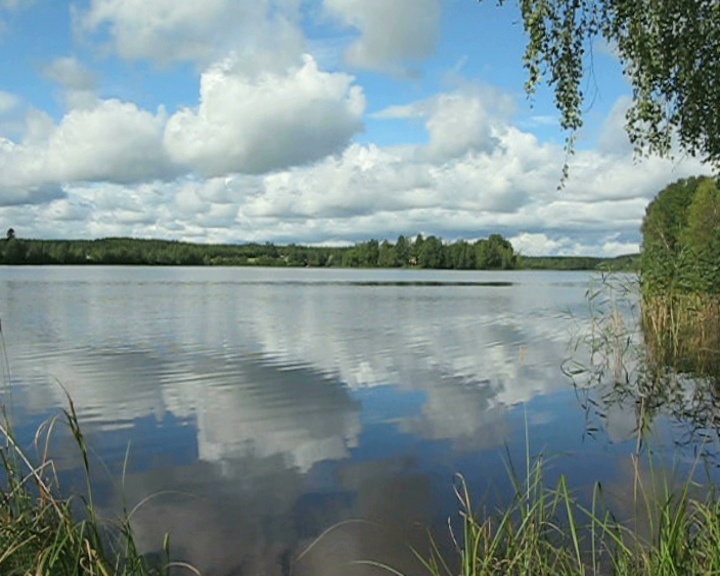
column 276, row 403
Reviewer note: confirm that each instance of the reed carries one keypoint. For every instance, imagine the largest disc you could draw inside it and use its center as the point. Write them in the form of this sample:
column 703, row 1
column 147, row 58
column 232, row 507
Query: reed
column 666, row 530
column 682, row 331
column 44, row 532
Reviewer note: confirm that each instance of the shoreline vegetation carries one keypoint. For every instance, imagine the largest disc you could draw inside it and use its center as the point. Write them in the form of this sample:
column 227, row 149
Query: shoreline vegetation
column 664, row 527
column 45, row 532
column 493, row 253
column 680, row 281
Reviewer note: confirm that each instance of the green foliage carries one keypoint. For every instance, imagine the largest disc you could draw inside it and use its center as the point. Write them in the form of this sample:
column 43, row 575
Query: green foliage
column 495, row 252
column 670, row 52
column 14, row 251
column 428, row 252
column 681, row 239
column 432, row 253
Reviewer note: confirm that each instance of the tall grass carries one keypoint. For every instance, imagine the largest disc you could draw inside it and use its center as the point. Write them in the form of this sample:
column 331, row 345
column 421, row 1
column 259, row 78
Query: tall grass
column 665, row 530
column 654, row 355
column 44, row 532
column 682, row 331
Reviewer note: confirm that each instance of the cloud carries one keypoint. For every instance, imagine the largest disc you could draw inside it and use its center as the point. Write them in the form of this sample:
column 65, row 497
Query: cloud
column 174, row 30
column 65, row 210
column 39, row 127
column 459, row 123
column 613, row 139
column 112, row 142
column 270, row 122
column 466, row 120
column 209, row 174
column 540, row 244
column 70, row 73
column 78, row 82
column 39, row 194
column 115, row 142
column 392, row 34
column 309, row 113
column 8, row 101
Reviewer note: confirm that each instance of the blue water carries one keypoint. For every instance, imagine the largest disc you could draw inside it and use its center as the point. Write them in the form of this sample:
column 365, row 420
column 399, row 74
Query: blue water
column 276, row 403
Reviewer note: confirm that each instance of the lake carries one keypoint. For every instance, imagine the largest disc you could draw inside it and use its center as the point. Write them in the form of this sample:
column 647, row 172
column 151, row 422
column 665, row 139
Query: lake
column 261, row 407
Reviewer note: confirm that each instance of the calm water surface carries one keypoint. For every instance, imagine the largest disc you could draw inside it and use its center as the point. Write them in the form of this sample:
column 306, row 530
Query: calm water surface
column 277, row 403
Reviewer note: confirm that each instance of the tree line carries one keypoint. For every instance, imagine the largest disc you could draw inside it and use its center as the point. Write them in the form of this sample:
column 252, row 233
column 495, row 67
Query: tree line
column 494, row 252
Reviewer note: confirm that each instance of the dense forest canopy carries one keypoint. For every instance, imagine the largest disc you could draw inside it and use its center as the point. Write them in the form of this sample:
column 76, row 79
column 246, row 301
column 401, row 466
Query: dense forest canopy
column 492, row 253
column 681, row 239
column 670, row 53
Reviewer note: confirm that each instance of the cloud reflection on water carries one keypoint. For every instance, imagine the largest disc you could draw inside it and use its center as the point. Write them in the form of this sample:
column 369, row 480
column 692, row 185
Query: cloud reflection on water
column 275, row 381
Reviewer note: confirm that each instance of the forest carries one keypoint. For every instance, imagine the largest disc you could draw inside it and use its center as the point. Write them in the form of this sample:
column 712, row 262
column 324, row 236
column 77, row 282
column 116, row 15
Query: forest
column 492, row 253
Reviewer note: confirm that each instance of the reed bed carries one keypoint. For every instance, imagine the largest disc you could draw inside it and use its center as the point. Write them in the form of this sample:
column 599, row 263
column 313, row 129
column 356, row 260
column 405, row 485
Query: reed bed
column 683, row 331
column 635, row 350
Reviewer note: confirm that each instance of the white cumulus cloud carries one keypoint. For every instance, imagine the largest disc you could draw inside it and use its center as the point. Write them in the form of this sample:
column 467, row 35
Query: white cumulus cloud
column 393, row 33
column 115, row 141
column 469, row 119
column 112, row 142
column 173, row 30
column 272, row 121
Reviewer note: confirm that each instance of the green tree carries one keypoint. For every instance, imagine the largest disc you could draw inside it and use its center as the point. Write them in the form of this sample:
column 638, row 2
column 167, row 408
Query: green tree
column 402, row 249
column 701, row 238
column 371, row 253
column 495, row 253
column 415, row 250
column 663, row 252
column 461, row 255
column 481, row 254
column 500, row 253
column 670, row 52
column 14, row 251
column 388, row 255
column 432, row 253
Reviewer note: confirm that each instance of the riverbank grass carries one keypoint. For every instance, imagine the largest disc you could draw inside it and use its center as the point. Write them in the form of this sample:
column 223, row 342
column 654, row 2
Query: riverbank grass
column 663, row 529
column 44, row 532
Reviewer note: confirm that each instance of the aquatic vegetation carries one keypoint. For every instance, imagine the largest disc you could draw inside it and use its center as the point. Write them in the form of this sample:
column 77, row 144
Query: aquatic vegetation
column 45, row 532
column 666, row 529
column 658, row 357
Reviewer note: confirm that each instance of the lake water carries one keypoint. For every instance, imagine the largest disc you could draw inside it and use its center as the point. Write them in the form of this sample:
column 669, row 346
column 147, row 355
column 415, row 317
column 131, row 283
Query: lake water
column 261, row 407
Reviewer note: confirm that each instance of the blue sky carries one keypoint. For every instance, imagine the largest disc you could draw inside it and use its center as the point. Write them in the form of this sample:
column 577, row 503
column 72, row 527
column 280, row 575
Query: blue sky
column 309, row 121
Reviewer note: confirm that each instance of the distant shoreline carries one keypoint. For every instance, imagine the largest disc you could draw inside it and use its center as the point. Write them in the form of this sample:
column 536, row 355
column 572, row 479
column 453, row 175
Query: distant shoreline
column 494, row 253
